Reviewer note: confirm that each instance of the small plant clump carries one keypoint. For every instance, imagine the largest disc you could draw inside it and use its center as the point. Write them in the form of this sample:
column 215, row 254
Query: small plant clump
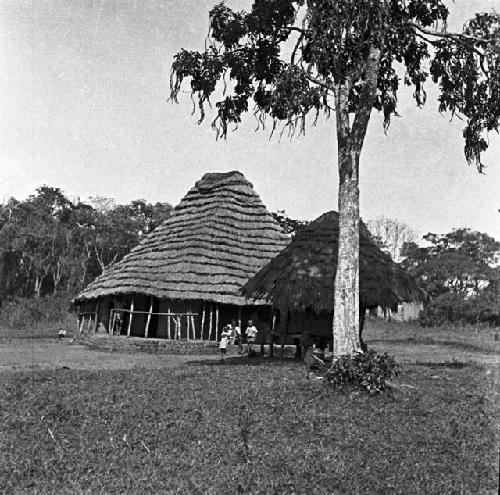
column 367, row 371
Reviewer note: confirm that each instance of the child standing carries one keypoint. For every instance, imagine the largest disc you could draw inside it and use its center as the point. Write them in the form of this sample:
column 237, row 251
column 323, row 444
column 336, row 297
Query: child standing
column 251, row 333
column 224, row 339
column 237, row 336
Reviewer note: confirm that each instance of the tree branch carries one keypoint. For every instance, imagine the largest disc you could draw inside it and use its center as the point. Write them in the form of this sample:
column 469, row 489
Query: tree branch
column 322, row 84
column 366, row 99
column 459, row 37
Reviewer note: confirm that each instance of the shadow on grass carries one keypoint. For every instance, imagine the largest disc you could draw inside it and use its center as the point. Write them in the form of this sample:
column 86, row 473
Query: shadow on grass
column 450, row 364
column 430, row 341
column 246, row 361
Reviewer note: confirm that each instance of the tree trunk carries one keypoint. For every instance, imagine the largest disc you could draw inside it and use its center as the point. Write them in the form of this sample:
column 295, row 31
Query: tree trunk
column 350, row 143
column 38, row 286
column 346, row 306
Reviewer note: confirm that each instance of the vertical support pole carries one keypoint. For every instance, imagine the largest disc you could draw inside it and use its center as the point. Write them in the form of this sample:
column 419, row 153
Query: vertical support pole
column 111, row 321
column 210, row 322
column 216, row 321
column 82, row 323
column 131, row 314
column 89, row 323
column 193, row 327
column 283, row 333
column 188, row 324
column 77, row 320
column 96, row 316
column 239, row 317
column 149, row 319
column 168, row 323
column 271, row 336
column 202, row 321
column 178, row 327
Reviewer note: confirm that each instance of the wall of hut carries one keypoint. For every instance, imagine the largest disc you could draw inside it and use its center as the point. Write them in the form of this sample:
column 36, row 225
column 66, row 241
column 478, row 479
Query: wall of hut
column 406, row 311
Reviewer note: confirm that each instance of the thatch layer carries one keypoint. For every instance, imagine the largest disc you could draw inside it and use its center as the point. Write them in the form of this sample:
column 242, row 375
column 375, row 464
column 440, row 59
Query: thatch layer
column 302, row 276
column 215, row 240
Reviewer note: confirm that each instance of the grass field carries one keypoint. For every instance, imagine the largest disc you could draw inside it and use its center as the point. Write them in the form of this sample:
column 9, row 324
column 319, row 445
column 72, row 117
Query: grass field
column 251, row 426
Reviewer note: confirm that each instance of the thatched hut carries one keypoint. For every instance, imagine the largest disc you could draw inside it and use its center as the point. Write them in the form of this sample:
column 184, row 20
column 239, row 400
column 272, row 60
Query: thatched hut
column 300, row 280
column 184, row 280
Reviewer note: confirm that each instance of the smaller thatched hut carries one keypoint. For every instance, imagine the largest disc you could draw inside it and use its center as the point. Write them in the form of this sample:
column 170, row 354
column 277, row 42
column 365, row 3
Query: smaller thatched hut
column 300, row 280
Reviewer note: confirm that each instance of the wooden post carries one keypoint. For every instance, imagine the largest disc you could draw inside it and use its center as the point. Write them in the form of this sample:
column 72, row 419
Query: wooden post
column 77, row 320
column 178, row 327
column 188, row 324
column 130, row 316
column 193, row 327
column 149, row 319
column 210, row 322
column 168, row 324
column 283, row 333
column 82, row 323
column 96, row 316
column 216, row 321
column 271, row 337
column 202, row 321
column 88, row 324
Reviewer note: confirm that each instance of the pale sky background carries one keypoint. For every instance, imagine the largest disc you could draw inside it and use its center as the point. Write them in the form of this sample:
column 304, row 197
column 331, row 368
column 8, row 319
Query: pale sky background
column 83, row 90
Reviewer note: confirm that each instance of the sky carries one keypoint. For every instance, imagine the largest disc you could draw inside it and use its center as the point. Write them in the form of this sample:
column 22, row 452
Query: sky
column 83, row 97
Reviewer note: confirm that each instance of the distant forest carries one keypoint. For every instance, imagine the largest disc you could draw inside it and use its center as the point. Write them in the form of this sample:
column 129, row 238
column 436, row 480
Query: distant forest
column 51, row 245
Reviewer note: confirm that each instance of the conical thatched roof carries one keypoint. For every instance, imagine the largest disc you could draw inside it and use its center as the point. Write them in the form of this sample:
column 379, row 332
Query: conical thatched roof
column 302, row 275
column 215, row 240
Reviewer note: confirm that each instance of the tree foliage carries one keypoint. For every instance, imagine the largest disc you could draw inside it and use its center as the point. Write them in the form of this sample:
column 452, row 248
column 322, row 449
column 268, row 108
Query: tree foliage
column 285, row 59
column 50, row 244
column 460, row 262
column 460, row 273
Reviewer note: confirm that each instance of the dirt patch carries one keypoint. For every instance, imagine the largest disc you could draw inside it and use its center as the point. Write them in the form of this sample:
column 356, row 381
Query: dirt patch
column 46, row 354
column 29, row 354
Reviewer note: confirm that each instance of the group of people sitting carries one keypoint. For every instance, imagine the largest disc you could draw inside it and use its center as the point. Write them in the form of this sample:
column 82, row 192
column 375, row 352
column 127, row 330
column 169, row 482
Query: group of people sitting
column 231, row 335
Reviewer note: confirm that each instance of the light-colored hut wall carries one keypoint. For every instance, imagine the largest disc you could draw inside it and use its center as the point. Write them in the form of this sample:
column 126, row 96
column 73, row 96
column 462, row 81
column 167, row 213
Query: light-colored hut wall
column 406, row 311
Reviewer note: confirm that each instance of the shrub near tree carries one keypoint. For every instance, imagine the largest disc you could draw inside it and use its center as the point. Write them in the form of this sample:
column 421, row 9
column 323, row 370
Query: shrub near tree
column 286, row 59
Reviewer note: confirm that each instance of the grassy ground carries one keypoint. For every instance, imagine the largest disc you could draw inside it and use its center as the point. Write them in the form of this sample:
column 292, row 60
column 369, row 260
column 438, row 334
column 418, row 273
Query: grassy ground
column 249, row 429
column 248, row 426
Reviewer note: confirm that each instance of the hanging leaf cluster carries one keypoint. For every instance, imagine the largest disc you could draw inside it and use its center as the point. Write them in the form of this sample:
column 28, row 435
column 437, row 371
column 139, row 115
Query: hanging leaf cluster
column 284, row 59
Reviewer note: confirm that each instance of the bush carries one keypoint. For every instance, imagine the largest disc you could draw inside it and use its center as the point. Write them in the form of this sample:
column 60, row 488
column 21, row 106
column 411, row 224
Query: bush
column 24, row 312
column 451, row 308
column 365, row 371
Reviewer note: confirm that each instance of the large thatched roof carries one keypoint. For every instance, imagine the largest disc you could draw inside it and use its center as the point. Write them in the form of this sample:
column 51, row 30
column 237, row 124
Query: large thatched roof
column 302, row 275
column 215, row 240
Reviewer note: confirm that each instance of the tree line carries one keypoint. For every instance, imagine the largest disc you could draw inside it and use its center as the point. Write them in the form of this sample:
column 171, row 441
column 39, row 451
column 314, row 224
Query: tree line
column 50, row 244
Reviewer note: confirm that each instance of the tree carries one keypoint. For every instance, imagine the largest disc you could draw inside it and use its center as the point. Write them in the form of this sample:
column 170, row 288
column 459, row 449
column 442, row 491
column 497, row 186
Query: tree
column 391, row 235
column 459, row 272
column 48, row 242
column 296, row 57
column 290, row 225
column 460, row 262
